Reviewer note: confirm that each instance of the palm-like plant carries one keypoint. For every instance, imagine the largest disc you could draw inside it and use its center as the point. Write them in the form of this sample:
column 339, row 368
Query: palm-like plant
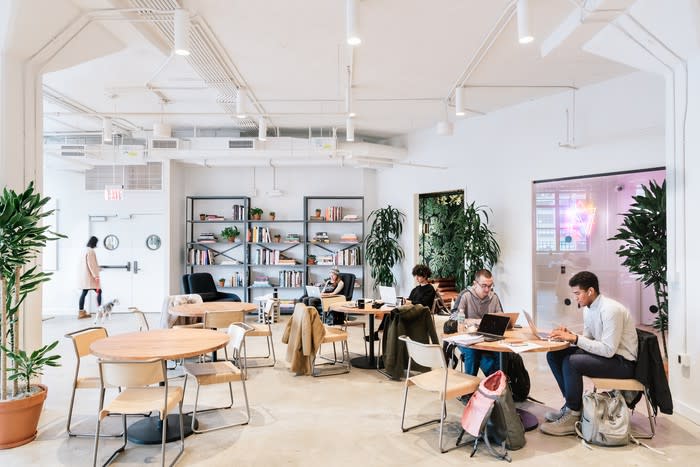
column 481, row 250
column 643, row 236
column 443, row 246
column 382, row 249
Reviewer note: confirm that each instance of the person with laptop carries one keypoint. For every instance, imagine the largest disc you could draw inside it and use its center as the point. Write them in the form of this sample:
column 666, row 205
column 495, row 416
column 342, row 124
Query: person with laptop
column 331, row 287
column 474, row 302
column 606, row 349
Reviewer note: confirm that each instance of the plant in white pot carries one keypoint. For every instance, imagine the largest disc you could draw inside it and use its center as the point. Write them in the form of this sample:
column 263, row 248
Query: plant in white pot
column 21, row 240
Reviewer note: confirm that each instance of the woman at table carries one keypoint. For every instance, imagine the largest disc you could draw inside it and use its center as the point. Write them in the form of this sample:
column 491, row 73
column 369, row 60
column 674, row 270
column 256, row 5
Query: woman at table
column 333, row 286
column 89, row 277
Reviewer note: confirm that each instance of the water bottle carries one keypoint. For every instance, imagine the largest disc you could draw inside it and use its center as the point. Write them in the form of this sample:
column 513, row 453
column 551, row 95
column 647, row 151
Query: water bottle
column 460, row 322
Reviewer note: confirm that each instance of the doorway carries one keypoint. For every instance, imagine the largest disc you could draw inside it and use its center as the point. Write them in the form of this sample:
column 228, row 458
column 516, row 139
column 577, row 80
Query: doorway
column 131, row 253
column 573, row 220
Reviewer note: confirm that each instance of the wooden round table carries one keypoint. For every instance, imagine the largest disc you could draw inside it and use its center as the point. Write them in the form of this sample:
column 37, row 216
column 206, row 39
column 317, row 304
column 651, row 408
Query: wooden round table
column 197, row 310
column 369, row 362
column 163, row 344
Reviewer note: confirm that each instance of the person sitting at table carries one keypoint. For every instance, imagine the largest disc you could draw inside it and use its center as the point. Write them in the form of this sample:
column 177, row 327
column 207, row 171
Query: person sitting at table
column 331, row 287
column 606, row 349
column 422, row 294
column 474, row 302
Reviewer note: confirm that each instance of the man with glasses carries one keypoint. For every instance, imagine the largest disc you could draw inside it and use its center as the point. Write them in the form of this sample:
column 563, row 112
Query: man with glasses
column 475, row 302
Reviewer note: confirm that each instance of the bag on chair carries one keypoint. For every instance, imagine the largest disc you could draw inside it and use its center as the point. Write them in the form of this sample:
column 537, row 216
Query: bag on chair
column 605, row 419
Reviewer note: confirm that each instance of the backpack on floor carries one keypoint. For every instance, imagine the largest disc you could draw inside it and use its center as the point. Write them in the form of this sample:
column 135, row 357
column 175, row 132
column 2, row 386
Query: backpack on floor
column 518, row 377
column 605, row 419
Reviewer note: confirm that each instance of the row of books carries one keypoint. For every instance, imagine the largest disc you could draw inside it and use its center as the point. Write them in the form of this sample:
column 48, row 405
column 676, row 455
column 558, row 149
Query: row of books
column 195, row 256
column 238, row 212
column 206, row 237
column 237, row 279
column 291, row 278
column 348, row 257
column 259, row 234
column 269, row 256
column 334, row 213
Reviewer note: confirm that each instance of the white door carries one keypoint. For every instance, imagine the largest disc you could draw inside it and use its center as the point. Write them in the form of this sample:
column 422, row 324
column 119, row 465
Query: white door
column 134, row 271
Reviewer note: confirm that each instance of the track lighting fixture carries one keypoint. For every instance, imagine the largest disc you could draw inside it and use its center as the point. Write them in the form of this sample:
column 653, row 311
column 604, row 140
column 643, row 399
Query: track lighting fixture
column 352, row 32
column 182, row 32
column 524, row 35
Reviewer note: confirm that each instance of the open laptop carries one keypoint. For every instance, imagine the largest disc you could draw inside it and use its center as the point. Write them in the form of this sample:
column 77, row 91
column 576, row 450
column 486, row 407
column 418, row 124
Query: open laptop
column 533, row 328
column 313, row 291
column 387, row 294
column 493, row 326
column 513, row 318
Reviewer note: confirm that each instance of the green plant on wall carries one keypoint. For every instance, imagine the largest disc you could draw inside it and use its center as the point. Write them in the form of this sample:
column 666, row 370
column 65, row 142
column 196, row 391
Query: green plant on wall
column 643, row 236
column 442, row 245
column 382, row 248
column 481, row 250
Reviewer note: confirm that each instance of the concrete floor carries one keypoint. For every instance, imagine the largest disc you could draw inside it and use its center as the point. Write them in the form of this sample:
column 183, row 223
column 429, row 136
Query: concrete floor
column 351, row 419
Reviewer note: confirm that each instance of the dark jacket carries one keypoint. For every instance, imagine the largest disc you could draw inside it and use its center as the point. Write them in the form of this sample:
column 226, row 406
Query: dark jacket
column 650, row 372
column 413, row 321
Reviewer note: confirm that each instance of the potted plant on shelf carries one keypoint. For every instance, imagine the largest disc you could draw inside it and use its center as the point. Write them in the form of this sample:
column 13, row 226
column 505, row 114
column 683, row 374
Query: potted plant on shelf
column 382, row 249
column 643, row 236
column 277, row 238
column 256, row 213
column 272, row 215
column 21, row 240
column 222, row 281
column 230, row 233
column 202, row 217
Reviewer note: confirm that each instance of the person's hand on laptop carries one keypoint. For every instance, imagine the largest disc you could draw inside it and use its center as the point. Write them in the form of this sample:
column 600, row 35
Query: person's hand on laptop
column 563, row 334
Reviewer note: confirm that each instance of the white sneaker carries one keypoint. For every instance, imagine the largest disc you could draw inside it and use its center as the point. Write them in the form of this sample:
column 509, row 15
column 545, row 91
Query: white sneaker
column 554, row 415
column 565, row 425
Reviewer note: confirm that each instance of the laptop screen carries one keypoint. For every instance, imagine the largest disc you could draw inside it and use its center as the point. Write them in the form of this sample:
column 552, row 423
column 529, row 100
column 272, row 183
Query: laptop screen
column 494, row 324
column 313, row 291
column 387, row 294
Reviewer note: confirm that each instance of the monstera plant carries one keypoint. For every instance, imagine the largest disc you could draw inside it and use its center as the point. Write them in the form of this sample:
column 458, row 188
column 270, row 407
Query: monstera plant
column 382, row 248
column 643, row 237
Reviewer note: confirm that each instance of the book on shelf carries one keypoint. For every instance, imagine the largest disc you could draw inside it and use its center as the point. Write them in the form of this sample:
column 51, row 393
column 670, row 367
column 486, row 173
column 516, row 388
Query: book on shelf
column 325, row 260
column 348, row 257
column 291, row 278
column 238, row 212
column 206, row 237
column 348, row 238
column 321, row 237
column 270, row 256
column 200, row 257
column 316, row 218
column 214, row 217
column 292, row 238
column 351, row 218
column 237, row 279
column 259, row 234
column 334, row 213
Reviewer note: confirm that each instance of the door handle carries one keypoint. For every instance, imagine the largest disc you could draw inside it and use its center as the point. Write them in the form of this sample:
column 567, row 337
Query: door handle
column 126, row 266
column 136, row 267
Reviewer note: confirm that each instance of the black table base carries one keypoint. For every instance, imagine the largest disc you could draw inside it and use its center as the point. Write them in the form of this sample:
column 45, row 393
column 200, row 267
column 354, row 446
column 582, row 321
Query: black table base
column 367, row 363
column 149, row 430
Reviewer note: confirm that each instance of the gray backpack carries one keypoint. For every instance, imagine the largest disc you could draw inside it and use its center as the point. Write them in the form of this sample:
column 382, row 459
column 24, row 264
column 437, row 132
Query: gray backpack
column 605, row 419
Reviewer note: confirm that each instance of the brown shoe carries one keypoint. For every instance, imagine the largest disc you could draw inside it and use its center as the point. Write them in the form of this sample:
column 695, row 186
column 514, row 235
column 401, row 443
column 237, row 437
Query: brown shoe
column 82, row 314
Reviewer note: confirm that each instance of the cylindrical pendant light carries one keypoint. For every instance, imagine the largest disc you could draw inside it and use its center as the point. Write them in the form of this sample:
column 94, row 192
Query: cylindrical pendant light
column 262, row 129
column 524, row 35
column 459, row 101
column 348, row 103
column 349, row 129
column 352, row 32
column 107, row 130
column 241, row 103
column 182, row 32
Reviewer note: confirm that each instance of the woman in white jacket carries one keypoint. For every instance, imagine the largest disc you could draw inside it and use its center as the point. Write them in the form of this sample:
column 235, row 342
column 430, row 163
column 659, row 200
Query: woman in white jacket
column 89, row 277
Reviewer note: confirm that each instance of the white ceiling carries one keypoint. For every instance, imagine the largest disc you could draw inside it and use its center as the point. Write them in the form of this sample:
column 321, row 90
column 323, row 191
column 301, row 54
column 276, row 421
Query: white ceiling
column 292, row 58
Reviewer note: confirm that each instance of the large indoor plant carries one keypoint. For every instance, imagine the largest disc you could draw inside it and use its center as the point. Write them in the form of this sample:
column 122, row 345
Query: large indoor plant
column 643, row 236
column 382, row 248
column 481, row 250
column 21, row 240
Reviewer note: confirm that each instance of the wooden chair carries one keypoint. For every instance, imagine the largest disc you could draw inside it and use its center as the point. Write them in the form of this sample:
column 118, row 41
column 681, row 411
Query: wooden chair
column 444, row 381
column 332, row 336
column 222, row 372
column 81, row 344
column 138, row 395
column 610, row 384
column 264, row 330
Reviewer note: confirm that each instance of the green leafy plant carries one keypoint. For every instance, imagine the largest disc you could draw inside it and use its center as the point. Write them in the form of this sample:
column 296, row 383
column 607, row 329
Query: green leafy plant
column 230, row 232
column 382, row 248
column 21, row 239
column 255, row 212
column 643, row 236
column 481, row 250
column 442, row 246
column 28, row 366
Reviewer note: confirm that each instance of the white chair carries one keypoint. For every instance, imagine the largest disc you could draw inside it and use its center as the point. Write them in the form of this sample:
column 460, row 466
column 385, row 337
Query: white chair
column 222, row 372
column 138, row 395
column 264, row 330
column 140, row 318
column 446, row 382
column 166, row 319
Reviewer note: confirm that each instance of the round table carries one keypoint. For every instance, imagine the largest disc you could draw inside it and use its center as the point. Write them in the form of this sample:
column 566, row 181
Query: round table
column 197, row 310
column 369, row 362
column 163, row 344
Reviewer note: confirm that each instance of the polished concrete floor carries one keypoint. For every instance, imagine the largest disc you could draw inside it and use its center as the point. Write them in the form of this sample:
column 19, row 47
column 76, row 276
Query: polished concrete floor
column 351, row 419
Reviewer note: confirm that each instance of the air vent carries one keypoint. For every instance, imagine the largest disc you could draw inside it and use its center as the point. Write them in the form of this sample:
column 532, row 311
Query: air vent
column 241, row 144
column 160, row 143
column 73, row 150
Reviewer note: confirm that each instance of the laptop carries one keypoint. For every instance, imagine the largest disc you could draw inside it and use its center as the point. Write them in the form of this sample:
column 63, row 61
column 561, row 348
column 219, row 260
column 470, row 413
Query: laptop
column 493, row 326
column 533, row 328
column 313, row 291
column 513, row 318
column 387, row 294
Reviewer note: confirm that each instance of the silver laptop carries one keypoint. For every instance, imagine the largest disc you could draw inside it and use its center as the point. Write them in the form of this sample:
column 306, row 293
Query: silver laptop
column 313, row 291
column 387, row 294
column 533, row 328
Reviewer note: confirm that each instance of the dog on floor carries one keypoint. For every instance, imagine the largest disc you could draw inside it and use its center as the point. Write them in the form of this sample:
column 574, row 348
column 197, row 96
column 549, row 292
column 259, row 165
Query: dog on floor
column 104, row 312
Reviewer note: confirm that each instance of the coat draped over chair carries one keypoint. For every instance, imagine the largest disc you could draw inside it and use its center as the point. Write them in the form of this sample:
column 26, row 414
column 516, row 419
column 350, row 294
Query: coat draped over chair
column 413, row 321
column 167, row 320
column 303, row 335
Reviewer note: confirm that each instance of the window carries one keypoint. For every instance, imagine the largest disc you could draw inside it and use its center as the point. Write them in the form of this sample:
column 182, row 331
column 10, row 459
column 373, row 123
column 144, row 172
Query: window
column 563, row 221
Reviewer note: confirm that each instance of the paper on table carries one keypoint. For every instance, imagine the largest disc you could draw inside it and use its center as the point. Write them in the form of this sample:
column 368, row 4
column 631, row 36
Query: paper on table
column 465, row 339
column 521, row 347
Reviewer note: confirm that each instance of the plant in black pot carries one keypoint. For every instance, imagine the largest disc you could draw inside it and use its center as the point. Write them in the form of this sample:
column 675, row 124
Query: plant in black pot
column 21, row 239
column 643, row 237
column 382, row 248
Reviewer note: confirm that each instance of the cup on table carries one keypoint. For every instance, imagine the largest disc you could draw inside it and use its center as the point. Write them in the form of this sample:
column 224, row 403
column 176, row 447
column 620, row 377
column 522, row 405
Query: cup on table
column 360, row 303
column 400, row 300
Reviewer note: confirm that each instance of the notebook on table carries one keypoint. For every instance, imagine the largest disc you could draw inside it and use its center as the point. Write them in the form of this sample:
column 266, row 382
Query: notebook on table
column 387, row 294
column 313, row 291
column 542, row 335
column 493, row 326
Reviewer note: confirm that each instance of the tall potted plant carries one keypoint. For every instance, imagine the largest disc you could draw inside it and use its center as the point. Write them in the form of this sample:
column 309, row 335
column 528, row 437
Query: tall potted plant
column 481, row 250
column 442, row 247
column 382, row 249
column 21, row 239
column 643, row 236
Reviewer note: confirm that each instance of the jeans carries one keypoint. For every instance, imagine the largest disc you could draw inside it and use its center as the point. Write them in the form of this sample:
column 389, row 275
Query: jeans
column 473, row 359
column 571, row 364
column 81, row 302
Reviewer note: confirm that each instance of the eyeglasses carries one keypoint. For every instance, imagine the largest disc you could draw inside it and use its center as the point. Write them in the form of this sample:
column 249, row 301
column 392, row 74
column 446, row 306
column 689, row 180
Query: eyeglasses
column 485, row 286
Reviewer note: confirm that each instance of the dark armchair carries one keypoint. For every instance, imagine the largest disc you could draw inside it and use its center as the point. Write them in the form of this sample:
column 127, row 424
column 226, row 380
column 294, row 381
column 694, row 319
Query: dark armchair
column 348, row 284
column 202, row 284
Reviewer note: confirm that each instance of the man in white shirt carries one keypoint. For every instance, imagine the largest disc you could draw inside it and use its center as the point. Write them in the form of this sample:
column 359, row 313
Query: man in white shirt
column 606, row 349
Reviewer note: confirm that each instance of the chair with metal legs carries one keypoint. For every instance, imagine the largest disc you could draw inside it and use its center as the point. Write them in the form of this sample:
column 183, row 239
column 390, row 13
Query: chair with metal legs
column 264, row 330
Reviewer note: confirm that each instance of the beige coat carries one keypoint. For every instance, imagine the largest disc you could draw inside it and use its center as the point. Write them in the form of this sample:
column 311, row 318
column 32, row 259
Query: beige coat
column 303, row 335
column 89, row 270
